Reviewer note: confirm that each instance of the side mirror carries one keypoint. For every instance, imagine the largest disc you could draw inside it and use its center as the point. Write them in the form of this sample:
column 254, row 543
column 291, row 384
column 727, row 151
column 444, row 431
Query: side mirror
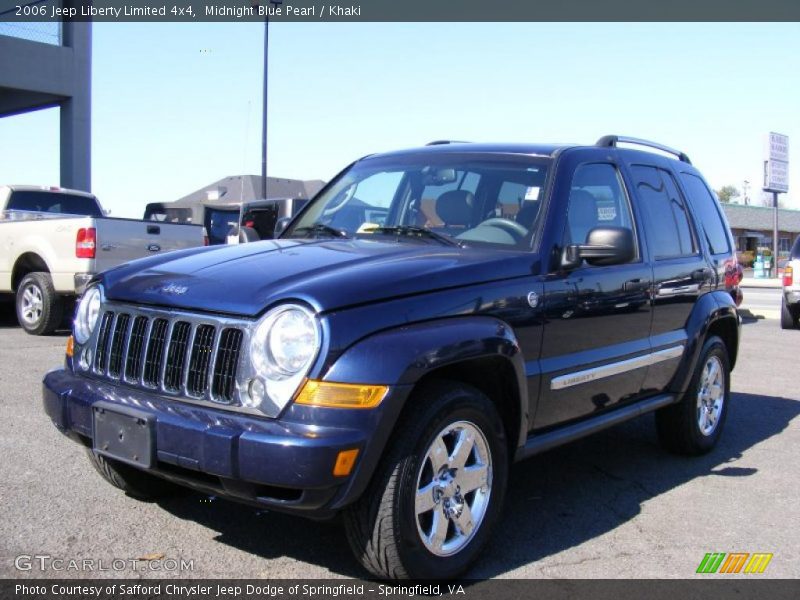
column 281, row 225
column 604, row 246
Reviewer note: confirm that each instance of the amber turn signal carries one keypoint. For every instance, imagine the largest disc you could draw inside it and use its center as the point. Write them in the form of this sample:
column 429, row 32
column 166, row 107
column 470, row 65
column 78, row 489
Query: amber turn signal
column 70, row 346
column 345, row 462
column 341, row 395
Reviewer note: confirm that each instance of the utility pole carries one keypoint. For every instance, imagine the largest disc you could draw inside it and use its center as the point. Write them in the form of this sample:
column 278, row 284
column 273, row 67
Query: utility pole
column 264, row 110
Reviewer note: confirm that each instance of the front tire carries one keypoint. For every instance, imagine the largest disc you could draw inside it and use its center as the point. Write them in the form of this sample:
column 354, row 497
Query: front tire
column 40, row 309
column 788, row 318
column 438, row 492
column 132, row 481
column 693, row 425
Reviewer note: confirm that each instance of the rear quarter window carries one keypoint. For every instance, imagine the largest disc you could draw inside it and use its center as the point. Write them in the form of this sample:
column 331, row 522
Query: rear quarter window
column 707, row 212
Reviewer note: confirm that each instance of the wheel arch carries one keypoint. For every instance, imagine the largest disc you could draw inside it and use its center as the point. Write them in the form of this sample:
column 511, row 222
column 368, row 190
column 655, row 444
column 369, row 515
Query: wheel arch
column 478, row 351
column 714, row 315
column 27, row 262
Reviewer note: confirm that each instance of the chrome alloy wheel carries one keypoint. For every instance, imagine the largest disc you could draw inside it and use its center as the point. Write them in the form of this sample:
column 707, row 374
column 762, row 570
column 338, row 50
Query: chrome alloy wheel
column 710, row 395
column 32, row 304
column 453, row 488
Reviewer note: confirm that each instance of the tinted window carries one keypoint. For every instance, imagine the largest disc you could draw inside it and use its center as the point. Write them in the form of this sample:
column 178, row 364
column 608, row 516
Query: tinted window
column 665, row 219
column 596, row 199
column 706, row 210
column 57, row 203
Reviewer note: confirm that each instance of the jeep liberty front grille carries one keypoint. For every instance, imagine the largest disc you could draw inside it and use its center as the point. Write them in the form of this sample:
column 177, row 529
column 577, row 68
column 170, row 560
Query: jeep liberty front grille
column 179, row 354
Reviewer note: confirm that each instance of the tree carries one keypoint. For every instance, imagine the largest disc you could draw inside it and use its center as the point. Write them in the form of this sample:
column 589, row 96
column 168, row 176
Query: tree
column 727, row 193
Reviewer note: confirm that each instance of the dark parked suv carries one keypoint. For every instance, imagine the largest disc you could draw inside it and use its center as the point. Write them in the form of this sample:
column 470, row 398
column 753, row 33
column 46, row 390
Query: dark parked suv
column 430, row 317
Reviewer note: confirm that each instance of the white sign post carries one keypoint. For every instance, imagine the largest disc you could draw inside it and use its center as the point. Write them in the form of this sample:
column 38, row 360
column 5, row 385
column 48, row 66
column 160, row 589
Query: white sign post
column 776, row 180
column 776, row 165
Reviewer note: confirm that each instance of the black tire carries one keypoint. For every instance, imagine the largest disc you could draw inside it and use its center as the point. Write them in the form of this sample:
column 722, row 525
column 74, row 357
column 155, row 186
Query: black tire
column 788, row 317
column 383, row 526
column 678, row 425
column 133, row 481
column 40, row 309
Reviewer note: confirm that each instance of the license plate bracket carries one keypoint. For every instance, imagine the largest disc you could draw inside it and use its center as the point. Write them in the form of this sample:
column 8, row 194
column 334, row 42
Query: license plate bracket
column 124, row 434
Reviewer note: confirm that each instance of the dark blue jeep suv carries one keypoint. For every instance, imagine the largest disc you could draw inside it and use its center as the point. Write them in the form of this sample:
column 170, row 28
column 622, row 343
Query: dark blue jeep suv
column 430, row 317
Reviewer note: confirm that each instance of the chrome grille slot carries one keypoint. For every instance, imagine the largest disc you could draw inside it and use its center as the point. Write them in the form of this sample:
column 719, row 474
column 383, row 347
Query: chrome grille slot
column 135, row 346
column 176, row 356
column 192, row 357
column 224, row 381
column 118, row 342
column 101, row 353
column 200, row 361
column 155, row 352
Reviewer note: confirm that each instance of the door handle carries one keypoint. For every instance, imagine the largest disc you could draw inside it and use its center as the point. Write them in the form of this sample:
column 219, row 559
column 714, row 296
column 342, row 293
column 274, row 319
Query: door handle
column 153, row 229
column 636, row 285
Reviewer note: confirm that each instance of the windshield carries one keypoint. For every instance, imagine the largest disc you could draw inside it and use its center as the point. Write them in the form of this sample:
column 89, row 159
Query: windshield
column 465, row 199
column 54, row 202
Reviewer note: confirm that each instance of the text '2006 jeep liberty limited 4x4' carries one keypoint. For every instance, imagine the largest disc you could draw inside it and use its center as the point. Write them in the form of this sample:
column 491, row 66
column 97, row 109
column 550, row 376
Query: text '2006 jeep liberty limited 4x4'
column 429, row 317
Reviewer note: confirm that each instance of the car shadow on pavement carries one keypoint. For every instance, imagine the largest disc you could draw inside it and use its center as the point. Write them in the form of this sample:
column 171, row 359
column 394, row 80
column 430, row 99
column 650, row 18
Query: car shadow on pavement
column 555, row 501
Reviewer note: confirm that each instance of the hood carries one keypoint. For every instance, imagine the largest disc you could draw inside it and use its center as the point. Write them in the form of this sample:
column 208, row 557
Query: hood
column 328, row 274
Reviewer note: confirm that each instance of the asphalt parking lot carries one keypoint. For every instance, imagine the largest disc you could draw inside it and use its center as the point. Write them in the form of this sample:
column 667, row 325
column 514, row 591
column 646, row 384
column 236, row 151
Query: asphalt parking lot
column 614, row 505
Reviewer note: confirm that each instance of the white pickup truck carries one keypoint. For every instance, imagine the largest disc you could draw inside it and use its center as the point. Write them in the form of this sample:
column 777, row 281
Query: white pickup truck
column 790, row 302
column 53, row 241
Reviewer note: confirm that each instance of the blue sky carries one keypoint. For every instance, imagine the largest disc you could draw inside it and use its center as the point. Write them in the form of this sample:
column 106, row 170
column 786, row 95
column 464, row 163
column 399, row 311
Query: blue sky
column 177, row 106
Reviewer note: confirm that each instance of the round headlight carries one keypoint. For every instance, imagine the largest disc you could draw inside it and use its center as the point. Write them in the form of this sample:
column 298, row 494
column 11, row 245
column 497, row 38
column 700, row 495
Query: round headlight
column 292, row 341
column 284, row 343
column 87, row 314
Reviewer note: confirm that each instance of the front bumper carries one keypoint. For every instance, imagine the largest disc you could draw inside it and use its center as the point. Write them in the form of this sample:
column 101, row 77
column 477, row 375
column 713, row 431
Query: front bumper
column 285, row 464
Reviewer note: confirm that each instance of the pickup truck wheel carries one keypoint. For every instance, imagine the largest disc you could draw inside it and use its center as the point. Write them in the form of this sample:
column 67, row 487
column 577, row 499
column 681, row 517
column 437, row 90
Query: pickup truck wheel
column 693, row 425
column 132, row 481
column 788, row 318
column 438, row 492
column 39, row 309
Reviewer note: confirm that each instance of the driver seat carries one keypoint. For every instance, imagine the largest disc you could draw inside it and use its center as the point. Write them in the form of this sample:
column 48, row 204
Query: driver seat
column 455, row 209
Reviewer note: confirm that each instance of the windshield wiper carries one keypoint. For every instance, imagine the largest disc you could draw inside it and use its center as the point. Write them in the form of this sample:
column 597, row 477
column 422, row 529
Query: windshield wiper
column 318, row 228
column 413, row 231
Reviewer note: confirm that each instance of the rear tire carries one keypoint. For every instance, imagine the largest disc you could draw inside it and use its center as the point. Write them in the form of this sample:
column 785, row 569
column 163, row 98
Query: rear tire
column 430, row 509
column 39, row 308
column 693, row 425
column 788, row 317
column 132, row 481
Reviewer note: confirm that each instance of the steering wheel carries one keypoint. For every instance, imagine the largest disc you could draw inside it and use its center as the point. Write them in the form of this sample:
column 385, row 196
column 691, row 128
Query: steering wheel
column 346, row 195
column 507, row 225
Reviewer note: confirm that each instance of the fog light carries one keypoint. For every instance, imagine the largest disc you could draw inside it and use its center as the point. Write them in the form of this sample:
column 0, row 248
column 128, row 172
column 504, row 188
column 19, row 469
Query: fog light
column 345, row 462
column 256, row 393
column 341, row 395
column 86, row 359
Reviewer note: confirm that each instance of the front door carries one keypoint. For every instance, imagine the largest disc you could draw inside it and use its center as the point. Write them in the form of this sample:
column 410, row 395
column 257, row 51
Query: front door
column 597, row 318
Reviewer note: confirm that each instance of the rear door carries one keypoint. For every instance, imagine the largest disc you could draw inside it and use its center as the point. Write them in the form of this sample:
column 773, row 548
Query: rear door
column 680, row 271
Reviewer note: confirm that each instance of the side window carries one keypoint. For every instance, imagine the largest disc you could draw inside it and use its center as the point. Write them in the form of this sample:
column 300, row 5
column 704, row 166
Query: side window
column 666, row 221
column 707, row 212
column 596, row 199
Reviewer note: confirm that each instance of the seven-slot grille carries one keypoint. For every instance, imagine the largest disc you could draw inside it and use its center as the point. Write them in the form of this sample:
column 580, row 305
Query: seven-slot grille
column 169, row 353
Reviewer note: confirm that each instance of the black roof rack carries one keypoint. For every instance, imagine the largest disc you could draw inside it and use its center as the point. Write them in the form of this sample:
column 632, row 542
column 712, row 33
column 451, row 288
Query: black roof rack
column 611, row 141
column 443, row 142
